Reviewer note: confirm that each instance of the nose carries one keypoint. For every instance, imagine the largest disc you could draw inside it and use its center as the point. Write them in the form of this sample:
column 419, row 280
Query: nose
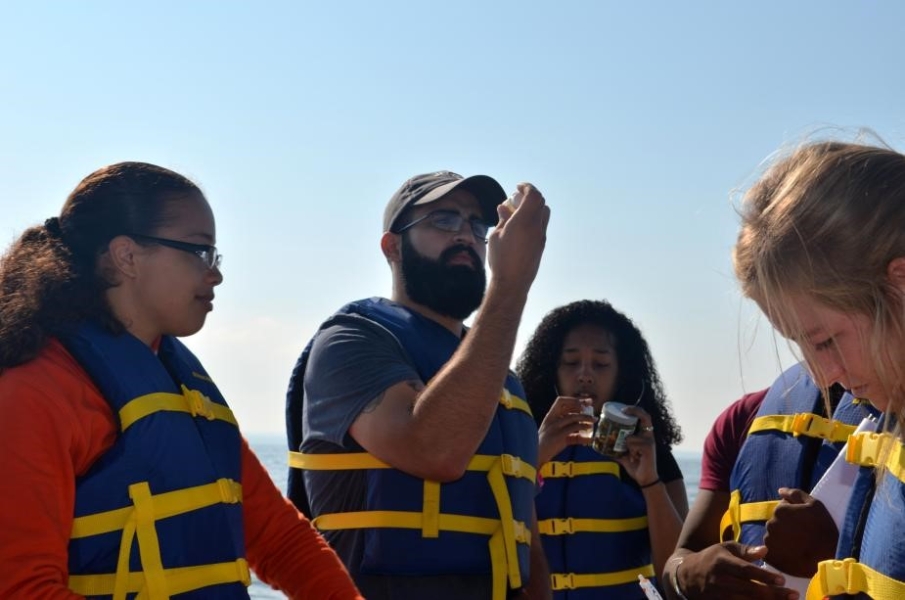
column 828, row 370
column 585, row 374
column 215, row 276
column 465, row 234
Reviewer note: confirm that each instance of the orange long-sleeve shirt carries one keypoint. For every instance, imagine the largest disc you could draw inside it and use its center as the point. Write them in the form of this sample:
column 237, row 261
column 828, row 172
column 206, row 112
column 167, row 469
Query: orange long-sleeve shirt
column 54, row 424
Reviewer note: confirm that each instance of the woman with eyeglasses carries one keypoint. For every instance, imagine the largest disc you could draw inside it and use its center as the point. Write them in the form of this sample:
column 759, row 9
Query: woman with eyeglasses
column 124, row 471
column 603, row 520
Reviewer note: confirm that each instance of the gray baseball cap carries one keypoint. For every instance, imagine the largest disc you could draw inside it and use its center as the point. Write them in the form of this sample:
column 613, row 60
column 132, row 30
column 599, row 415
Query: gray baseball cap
column 429, row 187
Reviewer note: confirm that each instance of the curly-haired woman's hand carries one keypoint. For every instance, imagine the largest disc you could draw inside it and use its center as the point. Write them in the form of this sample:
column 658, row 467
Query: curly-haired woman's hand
column 563, row 426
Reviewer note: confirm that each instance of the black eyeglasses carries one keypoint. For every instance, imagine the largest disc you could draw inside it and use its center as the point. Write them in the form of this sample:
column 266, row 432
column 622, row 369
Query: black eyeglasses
column 208, row 254
column 450, row 220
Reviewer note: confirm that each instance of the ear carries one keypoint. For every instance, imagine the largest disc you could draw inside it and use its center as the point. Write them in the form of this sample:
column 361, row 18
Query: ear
column 390, row 245
column 122, row 251
column 895, row 271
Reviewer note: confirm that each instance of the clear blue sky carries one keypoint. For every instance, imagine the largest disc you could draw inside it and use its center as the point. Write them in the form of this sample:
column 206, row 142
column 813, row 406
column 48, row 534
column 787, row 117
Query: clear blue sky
column 299, row 120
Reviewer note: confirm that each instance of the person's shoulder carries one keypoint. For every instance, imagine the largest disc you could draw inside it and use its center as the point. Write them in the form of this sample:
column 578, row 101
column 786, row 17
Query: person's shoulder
column 53, row 379
column 52, row 367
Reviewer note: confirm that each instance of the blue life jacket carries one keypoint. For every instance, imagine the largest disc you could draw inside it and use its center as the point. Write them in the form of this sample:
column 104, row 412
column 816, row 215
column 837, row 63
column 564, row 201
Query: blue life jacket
column 870, row 556
column 593, row 527
column 160, row 512
column 789, row 444
column 478, row 524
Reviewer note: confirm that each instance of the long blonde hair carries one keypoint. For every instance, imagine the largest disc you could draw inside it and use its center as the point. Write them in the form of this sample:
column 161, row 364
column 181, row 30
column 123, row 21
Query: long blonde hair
column 824, row 222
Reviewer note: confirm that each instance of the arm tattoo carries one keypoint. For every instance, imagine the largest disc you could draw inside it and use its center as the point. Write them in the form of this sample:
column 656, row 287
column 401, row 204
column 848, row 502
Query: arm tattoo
column 417, row 386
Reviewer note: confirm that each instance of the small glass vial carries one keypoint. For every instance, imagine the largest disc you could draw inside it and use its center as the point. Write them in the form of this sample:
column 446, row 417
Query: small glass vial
column 612, row 429
column 588, row 432
column 514, row 199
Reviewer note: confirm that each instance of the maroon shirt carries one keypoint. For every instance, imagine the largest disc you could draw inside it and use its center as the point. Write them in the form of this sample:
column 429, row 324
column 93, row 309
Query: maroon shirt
column 724, row 442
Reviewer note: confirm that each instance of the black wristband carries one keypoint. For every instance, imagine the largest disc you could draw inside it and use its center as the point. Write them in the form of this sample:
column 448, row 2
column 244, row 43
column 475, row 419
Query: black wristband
column 651, row 484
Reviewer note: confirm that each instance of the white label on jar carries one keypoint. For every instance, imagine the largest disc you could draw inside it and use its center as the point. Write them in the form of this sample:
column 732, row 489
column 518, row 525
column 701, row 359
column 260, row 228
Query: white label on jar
column 619, row 446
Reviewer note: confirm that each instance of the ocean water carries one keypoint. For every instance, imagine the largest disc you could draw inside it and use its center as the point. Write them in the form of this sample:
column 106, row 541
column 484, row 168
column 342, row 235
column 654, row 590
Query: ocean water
column 271, row 449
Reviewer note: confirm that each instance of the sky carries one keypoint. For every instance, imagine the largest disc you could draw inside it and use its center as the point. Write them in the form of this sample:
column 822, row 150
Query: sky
column 641, row 123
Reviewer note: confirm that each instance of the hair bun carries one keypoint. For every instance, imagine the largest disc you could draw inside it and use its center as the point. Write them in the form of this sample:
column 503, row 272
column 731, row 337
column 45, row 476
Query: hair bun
column 52, row 226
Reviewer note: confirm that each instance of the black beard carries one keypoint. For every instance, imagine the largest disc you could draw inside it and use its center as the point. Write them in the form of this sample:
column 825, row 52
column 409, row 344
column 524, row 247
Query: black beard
column 450, row 290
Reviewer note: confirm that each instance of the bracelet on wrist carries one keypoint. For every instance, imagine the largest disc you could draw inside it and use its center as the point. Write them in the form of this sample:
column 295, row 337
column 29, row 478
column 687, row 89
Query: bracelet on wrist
column 651, row 484
column 675, row 579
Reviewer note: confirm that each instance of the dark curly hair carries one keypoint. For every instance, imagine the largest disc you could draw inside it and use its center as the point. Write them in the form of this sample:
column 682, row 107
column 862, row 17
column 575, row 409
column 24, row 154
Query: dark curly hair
column 539, row 362
column 50, row 277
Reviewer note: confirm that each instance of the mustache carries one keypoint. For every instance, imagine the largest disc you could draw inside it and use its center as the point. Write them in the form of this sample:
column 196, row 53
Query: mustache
column 447, row 254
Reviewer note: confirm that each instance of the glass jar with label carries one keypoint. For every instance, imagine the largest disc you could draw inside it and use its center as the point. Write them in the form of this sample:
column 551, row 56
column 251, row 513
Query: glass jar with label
column 612, row 428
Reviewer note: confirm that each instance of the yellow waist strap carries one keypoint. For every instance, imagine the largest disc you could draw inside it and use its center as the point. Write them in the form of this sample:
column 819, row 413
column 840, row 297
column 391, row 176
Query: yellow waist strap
column 513, row 466
column 415, row 520
column 554, row 469
column 178, row 581
column 739, row 513
column 570, row 525
column 573, row 581
column 165, row 505
column 851, row 577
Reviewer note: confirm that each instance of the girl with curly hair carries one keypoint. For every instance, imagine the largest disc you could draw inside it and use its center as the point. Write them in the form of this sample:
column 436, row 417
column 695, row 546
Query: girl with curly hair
column 603, row 520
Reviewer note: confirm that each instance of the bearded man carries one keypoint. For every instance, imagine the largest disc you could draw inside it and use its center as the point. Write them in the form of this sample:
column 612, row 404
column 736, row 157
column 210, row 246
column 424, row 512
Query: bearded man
column 410, row 441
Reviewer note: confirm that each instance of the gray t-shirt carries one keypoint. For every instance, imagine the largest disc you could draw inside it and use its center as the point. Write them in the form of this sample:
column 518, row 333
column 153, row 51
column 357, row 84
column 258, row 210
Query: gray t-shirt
column 352, row 362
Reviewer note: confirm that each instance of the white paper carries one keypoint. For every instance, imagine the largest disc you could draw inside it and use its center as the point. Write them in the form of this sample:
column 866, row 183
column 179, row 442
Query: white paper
column 834, row 490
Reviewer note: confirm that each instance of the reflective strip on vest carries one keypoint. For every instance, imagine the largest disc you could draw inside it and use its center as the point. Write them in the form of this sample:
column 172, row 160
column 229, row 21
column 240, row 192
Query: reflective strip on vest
column 806, row 424
column 851, row 577
column 189, row 401
column 739, row 513
column 574, row 581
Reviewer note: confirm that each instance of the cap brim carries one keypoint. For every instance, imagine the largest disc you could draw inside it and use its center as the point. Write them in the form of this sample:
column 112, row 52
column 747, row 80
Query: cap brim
column 488, row 192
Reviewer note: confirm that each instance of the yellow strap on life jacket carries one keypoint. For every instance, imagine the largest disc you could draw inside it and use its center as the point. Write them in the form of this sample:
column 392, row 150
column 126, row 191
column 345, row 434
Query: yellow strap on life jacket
column 189, row 401
column 877, row 449
column 851, row 577
column 573, row 581
column 505, row 533
column 555, row 469
column 148, row 544
column 513, row 402
column 739, row 513
column 414, row 520
column 179, row 580
column 511, row 465
column 806, row 424
column 139, row 520
column 165, row 505
column 571, row 525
